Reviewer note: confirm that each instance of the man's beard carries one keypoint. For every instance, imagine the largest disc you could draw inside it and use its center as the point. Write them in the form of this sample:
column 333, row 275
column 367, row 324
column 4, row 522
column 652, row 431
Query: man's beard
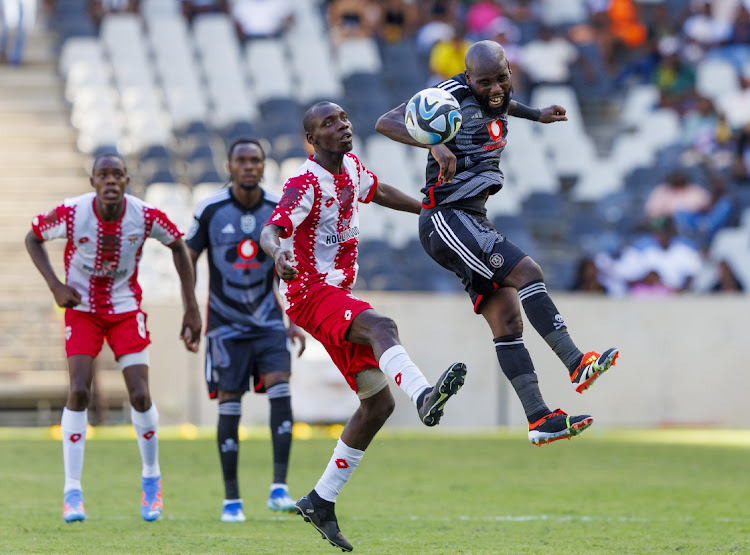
column 484, row 104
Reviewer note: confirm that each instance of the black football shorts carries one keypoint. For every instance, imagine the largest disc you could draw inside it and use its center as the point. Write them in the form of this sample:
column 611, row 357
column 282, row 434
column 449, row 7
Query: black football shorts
column 233, row 359
column 468, row 244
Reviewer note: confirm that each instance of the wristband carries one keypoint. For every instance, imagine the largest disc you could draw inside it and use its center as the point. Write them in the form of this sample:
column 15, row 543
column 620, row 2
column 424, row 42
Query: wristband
column 523, row 111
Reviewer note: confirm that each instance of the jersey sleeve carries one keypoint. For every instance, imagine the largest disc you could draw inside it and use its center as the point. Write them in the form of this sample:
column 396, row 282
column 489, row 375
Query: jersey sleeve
column 160, row 227
column 457, row 86
column 295, row 204
column 53, row 224
column 368, row 182
column 197, row 235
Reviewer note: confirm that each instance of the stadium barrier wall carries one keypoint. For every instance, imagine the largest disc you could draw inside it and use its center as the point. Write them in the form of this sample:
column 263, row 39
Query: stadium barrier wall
column 683, row 363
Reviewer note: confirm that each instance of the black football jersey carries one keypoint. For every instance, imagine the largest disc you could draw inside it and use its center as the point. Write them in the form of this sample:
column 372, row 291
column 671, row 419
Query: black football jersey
column 477, row 146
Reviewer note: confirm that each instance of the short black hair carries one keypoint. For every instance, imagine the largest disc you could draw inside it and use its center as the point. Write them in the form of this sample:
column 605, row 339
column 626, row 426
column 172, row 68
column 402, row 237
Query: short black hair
column 107, row 155
column 243, row 141
column 307, row 120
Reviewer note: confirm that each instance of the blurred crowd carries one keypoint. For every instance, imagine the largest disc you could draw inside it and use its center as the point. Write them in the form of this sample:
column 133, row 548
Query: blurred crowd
column 696, row 53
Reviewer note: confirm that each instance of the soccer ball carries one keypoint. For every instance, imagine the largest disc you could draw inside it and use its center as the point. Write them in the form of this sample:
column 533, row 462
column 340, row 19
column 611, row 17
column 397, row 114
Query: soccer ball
column 433, row 116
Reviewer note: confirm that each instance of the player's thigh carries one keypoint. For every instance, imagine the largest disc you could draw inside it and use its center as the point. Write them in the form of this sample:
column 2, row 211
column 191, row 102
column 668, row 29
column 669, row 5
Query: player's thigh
column 470, row 246
column 328, row 313
column 350, row 359
column 229, row 362
column 273, row 359
column 128, row 333
column 84, row 333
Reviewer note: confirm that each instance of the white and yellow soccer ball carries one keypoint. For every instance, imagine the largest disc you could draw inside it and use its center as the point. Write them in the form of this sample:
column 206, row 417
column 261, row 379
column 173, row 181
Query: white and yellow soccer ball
column 433, row 116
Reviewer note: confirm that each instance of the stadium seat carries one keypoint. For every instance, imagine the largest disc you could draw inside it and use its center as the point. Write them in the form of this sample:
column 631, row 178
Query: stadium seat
column 268, row 66
column 715, row 77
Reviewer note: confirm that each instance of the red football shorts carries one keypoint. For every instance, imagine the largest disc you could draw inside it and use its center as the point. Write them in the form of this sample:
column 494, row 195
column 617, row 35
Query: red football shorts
column 85, row 332
column 326, row 313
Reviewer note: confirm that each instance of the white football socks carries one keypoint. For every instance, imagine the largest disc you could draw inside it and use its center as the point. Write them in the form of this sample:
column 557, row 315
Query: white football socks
column 339, row 470
column 73, row 426
column 146, row 424
column 397, row 365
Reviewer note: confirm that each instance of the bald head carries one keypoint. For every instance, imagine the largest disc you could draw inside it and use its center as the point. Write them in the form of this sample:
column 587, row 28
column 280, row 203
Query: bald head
column 484, row 56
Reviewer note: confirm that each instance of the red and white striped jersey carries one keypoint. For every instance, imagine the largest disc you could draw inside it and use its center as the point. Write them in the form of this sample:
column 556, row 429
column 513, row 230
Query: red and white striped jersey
column 101, row 258
column 319, row 212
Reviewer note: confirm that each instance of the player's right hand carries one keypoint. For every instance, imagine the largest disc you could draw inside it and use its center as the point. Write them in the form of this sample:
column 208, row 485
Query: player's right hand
column 285, row 264
column 66, row 296
column 447, row 162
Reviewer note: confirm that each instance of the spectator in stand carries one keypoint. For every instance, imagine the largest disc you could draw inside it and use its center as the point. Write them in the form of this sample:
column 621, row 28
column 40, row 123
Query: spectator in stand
column 702, row 225
column 727, row 281
column 705, row 134
column 628, row 31
column 480, row 16
column 587, row 277
column 675, row 195
column 352, row 19
column 741, row 163
column 736, row 105
column 675, row 259
column 675, row 78
column 651, row 285
column 547, row 58
column 17, row 17
column 193, row 8
column 439, row 19
column 704, row 29
column 260, row 19
column 400, row 19
column 447, row 56
column 100, row 8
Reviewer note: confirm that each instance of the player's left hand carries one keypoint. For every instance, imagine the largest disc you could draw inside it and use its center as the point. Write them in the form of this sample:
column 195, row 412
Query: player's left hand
column 191, row 329
column 553, row 113
column 296, row 335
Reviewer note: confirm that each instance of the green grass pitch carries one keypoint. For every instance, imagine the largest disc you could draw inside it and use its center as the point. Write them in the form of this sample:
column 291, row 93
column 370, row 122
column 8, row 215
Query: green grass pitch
column 421, row 492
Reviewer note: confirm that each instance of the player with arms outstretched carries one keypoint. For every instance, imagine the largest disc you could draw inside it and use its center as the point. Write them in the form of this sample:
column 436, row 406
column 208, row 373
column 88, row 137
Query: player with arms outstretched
column 454, row 230
column 246, row 335
column 313, row 237
column 105, row 232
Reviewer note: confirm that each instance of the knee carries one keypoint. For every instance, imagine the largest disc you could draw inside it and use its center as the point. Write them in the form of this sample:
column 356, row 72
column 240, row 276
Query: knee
column 529, row 271
column 379, row 411
column 514, row 323
column 79, row 397
column 386, row 326
column 140, row 399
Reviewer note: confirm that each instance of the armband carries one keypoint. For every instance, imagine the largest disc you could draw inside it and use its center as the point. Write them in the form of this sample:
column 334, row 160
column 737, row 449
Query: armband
column 523, row 111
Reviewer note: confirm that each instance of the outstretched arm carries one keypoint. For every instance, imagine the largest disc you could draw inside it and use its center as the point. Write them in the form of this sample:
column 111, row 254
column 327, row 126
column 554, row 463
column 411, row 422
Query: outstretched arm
column 190, row 333
column 391, row 124
column 282, row 258
column 390, row 197
column 550, row 114
column 65, row 296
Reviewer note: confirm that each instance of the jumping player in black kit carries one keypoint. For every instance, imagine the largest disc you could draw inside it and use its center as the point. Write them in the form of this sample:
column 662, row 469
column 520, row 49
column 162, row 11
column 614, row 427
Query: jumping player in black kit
column 454, row 230
column 246, row 335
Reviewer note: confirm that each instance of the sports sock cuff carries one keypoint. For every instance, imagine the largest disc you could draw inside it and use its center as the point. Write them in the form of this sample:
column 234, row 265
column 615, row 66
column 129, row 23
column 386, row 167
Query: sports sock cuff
column 278, row 390
column 147, row 419
column 74, row 420
column 389, row 355
column 230, row 408
column 277, row 485
column 514, row 341
column 531, row 289
column 349, row 452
